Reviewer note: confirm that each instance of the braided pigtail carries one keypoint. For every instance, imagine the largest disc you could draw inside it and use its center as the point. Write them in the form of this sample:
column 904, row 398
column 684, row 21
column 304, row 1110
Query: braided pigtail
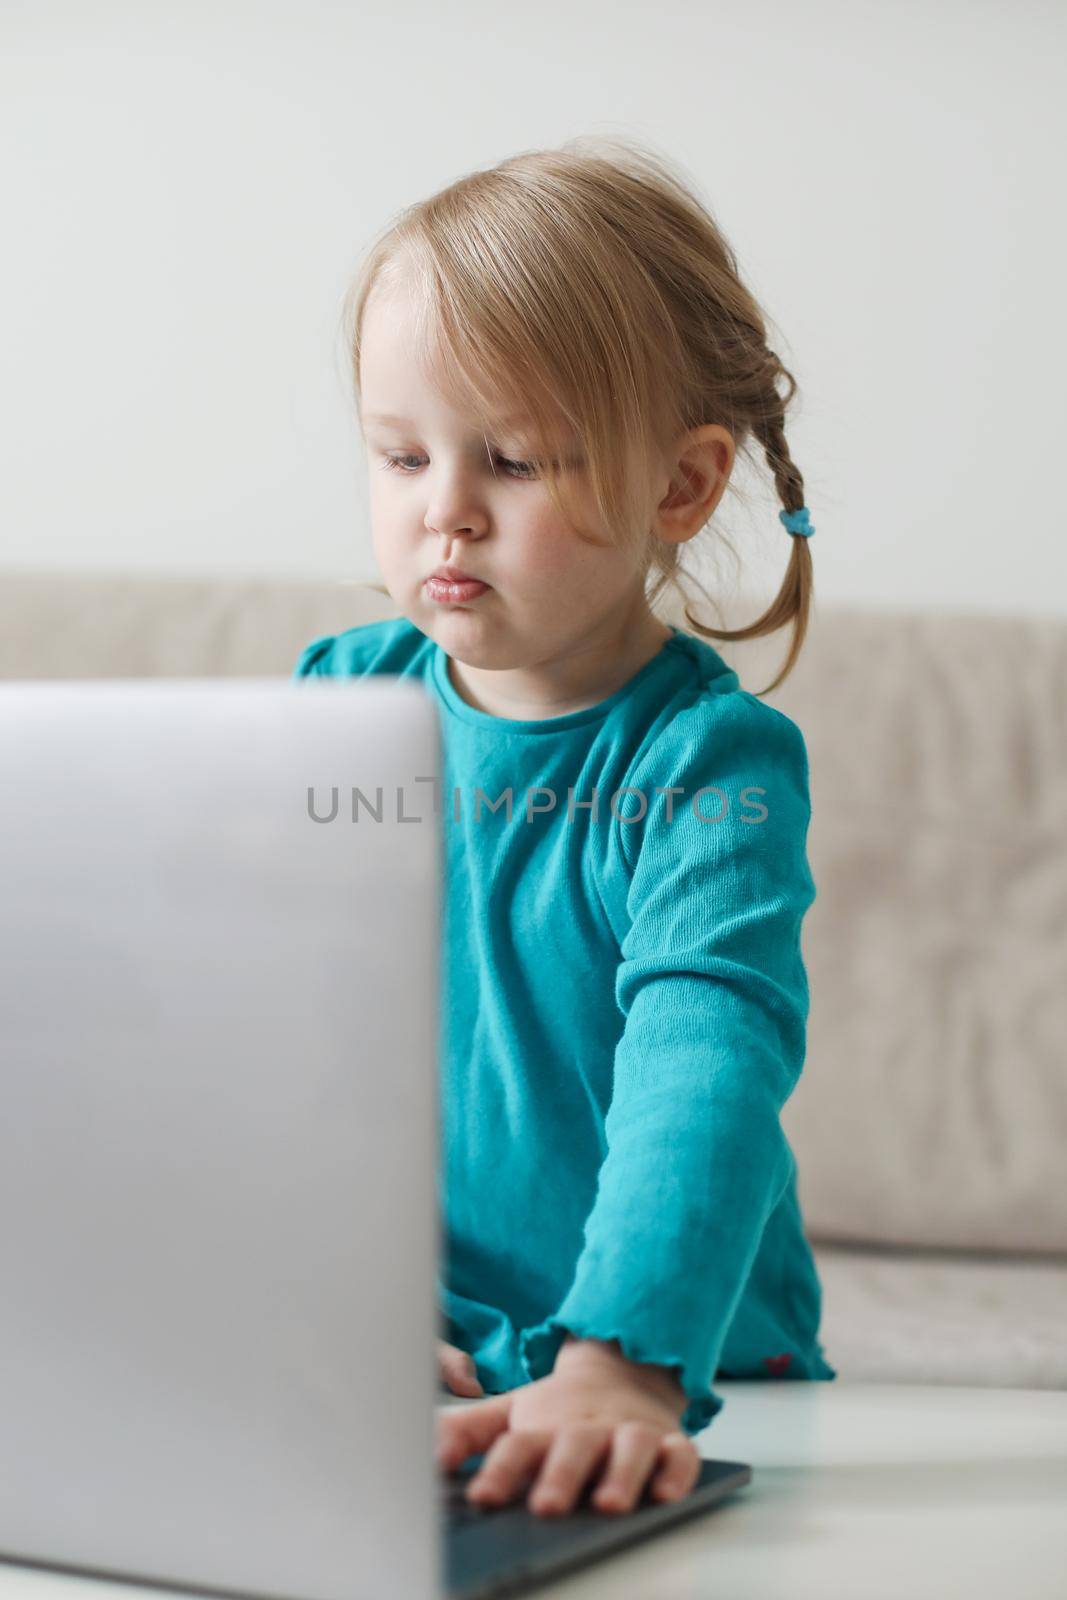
column 792, row 603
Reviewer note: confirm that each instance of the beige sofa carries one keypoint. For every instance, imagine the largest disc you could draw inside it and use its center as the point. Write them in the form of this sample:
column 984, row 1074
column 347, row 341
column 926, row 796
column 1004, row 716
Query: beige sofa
column 931, row 1119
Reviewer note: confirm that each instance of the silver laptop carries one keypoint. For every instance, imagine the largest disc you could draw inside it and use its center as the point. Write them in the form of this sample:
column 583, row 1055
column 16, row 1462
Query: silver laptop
column 219, row 924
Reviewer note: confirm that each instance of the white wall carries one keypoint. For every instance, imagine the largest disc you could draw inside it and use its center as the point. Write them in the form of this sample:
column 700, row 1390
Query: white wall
column 186, row 188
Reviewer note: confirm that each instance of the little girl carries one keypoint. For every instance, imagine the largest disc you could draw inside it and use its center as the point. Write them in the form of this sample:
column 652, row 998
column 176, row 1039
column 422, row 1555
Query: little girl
column 555, row 362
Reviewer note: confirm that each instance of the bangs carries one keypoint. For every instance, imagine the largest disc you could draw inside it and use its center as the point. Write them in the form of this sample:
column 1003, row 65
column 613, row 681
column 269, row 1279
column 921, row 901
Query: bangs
column 481, row 366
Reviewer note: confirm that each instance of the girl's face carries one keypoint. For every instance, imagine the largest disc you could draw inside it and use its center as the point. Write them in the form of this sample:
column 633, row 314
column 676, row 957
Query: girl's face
column 557, row 608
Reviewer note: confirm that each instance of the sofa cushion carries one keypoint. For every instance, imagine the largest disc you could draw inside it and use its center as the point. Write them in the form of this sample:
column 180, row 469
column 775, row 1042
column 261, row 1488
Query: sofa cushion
column 892, row 1316
column 933, row 1105
column 72, row 625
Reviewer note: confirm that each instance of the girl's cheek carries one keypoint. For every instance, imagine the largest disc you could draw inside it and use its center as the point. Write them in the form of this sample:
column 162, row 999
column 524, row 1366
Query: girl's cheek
column 554, row 552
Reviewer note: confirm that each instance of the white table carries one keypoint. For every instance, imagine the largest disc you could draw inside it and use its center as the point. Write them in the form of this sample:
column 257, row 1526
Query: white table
column 865, row 1491
column 859, row 1491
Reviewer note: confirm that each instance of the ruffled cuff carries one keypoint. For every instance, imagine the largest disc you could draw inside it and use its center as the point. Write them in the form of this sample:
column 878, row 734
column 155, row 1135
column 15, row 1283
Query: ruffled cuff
column 539, row 1347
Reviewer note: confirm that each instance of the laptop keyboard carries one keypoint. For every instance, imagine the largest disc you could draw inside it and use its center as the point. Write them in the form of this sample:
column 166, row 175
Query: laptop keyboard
column 458, row 1511
column 452, row 1502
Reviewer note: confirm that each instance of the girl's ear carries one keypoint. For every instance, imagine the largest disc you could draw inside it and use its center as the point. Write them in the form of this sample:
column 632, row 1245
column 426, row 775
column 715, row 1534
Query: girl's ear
column 699, row 478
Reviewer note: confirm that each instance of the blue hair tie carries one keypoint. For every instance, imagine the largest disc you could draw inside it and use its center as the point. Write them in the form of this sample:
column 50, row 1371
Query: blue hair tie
column 797, row 521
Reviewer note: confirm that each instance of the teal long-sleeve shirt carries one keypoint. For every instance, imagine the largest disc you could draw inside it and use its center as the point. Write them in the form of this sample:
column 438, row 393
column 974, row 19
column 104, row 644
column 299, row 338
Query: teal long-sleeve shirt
column 623, row 1016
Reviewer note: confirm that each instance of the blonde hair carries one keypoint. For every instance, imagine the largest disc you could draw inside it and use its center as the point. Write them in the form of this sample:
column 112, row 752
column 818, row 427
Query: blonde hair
column 588, row 288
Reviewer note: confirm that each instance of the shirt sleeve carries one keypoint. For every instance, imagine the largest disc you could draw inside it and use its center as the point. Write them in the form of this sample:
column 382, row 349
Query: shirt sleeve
column 712, row 987
column 314, row 659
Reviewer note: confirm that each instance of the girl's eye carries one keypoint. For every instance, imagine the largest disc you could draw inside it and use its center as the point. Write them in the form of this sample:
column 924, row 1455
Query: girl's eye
column 517, row 469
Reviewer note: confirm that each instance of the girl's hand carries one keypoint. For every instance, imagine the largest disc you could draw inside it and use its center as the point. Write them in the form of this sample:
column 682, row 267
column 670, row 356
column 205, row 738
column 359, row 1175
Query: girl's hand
column 590, row 1412
column 457, row 1370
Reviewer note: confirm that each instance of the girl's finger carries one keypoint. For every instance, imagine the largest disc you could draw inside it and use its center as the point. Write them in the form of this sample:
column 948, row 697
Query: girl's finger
column 458, row 1370
column 509, row 1466
column 679, row 1467
column 572, row 1457
column 462, row 1431
column 635, row 1448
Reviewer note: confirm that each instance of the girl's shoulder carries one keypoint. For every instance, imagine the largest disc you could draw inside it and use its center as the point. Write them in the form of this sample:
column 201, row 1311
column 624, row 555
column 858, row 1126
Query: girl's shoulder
column 712, row 721
column 393, row 646
column 723, row 754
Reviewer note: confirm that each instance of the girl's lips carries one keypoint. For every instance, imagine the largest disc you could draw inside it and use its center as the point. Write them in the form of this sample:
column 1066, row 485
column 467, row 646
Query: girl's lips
column 446, row 592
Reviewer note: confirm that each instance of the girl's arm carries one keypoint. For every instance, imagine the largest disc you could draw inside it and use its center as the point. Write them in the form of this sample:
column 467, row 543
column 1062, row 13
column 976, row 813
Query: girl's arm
column 713, row 989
